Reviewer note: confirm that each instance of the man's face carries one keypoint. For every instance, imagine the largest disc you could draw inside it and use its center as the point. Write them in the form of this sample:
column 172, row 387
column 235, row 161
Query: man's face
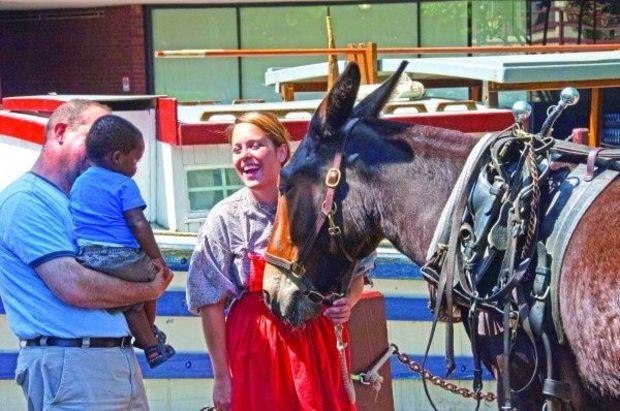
column 75, row 141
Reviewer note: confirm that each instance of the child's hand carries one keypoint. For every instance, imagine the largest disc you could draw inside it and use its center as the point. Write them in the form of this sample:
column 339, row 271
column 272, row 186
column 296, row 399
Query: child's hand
column 159, row 263
column 162, row 280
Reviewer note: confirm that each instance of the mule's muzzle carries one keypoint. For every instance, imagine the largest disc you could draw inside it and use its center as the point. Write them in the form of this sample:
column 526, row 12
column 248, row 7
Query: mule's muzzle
column 286, row 300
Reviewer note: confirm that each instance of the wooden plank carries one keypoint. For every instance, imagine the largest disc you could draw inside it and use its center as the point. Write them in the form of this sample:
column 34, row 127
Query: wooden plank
column 409, row 395
column 188, row 365
column 185, row 334
column 192, row 394
column 369, row 340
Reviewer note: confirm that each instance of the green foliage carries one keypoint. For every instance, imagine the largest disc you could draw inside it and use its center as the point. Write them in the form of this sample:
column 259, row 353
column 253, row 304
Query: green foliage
column 493, row 22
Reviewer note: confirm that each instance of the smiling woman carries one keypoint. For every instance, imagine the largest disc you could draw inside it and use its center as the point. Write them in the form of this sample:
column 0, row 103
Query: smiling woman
column 259, row 361
column 260, row 146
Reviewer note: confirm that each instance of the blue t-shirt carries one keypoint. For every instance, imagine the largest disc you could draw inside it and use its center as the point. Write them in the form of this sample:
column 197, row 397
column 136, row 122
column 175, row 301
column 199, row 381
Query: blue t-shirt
column 99, row 197
column 35, row 227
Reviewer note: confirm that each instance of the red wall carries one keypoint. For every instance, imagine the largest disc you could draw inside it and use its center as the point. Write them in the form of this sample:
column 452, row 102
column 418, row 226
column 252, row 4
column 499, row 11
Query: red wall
column 84, row 51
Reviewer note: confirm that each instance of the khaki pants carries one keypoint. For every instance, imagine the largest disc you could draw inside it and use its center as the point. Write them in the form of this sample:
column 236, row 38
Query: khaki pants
column 80, row 379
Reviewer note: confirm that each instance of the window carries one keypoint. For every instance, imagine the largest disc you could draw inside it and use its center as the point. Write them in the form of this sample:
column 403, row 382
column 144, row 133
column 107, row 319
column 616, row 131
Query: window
column 207, row 186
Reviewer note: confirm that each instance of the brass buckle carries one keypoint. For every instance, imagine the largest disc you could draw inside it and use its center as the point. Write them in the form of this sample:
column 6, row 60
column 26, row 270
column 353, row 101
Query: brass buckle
column 332, row 179
column 334, row 231
column 297, row 269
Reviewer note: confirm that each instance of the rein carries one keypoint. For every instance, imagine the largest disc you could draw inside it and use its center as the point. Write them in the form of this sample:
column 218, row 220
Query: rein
column 296, row 270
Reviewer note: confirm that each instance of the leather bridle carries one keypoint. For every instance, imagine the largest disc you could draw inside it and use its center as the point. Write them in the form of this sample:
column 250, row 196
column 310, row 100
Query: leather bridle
column 295, row 270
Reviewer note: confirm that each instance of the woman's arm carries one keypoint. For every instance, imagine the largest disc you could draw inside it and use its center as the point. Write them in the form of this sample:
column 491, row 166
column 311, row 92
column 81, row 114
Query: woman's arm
column 214, row 330
column 340, row 311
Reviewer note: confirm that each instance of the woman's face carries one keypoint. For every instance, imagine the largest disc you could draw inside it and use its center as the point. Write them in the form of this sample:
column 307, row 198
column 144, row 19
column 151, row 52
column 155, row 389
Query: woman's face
column 255, row 158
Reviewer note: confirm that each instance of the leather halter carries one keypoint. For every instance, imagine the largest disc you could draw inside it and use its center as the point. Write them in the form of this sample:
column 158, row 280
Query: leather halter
column 295, row 270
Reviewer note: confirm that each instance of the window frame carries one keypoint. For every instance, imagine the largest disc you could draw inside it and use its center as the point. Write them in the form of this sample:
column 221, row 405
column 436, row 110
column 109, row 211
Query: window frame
column 226, row 188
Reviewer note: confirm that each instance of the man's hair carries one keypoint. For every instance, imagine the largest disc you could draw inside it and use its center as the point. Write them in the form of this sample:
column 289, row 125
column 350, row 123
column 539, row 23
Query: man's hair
column 72, row 113
column 111, row 133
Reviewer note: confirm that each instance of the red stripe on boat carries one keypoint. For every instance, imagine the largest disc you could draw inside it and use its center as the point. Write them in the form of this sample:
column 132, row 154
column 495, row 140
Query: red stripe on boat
column 468, row 122
column 41, row 105
column 22, row 128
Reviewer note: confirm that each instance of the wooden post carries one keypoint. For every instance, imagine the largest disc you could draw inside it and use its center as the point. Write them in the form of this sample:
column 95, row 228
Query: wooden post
column 475, row 93
column 595, row 116
column 361, row 61
column 371, row 63
column 368, row 332
column 489, row 95
column 287, row 91
column 351, row 56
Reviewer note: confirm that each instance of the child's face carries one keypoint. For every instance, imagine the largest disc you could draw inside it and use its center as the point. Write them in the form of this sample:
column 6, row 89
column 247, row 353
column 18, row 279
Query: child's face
column 127, row 163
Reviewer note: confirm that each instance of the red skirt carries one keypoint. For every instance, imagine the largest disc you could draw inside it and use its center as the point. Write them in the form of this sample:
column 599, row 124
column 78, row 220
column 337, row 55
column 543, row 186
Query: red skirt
column 275, row 367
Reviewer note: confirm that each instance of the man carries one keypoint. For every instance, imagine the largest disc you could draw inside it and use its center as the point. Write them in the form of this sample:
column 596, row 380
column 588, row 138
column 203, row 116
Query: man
column 75, row 355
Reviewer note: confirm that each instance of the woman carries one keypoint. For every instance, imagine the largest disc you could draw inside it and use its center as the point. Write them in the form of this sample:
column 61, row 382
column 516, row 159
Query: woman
column 258, row 361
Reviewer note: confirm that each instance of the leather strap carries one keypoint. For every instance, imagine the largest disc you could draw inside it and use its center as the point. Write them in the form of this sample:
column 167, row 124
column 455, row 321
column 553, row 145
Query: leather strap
column 557, row 389
column 590, row 164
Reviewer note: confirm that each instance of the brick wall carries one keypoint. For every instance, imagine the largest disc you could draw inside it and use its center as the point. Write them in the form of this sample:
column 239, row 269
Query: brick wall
column 84, row 51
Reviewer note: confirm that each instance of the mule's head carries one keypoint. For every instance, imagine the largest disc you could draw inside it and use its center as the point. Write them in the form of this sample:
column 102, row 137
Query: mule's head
column 315, row 238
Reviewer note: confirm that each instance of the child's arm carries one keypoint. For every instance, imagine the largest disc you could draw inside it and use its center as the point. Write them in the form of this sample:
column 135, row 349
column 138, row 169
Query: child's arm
column 141, row 229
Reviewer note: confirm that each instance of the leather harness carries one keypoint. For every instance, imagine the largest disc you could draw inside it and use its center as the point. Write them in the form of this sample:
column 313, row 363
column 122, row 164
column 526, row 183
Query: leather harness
column 493, row 221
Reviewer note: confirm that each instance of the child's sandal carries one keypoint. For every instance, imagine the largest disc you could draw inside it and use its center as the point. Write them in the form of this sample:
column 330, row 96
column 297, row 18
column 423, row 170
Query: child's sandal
column 158, row 354
column 161, row 336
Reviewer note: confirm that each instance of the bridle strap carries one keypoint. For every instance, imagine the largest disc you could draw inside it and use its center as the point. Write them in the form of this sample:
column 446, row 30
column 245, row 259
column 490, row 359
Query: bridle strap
column 328, row 209
column 332, row 181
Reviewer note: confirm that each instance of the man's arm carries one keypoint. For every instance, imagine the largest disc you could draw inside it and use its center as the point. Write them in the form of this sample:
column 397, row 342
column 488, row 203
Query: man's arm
column 82, row 287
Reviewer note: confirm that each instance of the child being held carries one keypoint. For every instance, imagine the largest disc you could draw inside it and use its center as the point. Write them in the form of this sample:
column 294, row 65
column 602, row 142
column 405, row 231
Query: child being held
column 112, row 232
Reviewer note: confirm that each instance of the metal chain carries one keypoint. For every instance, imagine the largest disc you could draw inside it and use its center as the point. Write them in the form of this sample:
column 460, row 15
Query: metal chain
column 415, row 367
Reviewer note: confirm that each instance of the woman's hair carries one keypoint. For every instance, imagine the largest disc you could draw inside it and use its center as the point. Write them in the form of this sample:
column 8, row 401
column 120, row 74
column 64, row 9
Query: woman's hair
column 271, row 126
column 111, row 133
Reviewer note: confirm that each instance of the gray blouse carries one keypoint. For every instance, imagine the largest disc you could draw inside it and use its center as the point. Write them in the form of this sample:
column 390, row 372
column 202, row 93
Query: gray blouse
column 220, row 266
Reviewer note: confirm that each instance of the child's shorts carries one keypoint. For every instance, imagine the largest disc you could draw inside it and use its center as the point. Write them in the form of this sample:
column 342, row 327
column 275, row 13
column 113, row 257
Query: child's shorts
column 129, row 264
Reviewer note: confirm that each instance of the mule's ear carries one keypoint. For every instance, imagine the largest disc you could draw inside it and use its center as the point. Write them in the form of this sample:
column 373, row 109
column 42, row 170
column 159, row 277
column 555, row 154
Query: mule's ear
column 337, row 106
column 372, row 105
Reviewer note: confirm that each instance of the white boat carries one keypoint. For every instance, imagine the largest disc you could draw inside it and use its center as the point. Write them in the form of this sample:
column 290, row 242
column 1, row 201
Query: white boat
column 180, row 150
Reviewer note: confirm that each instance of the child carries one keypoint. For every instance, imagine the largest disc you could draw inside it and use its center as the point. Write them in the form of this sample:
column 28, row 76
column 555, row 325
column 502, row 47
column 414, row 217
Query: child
column 111, row 231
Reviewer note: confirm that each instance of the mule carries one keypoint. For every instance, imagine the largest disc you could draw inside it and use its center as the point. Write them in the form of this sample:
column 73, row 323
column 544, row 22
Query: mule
column 393, row 183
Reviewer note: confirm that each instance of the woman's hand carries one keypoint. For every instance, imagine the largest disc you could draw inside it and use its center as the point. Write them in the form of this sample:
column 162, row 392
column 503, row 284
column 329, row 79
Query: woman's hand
column 340, row 311
column 222, row 393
